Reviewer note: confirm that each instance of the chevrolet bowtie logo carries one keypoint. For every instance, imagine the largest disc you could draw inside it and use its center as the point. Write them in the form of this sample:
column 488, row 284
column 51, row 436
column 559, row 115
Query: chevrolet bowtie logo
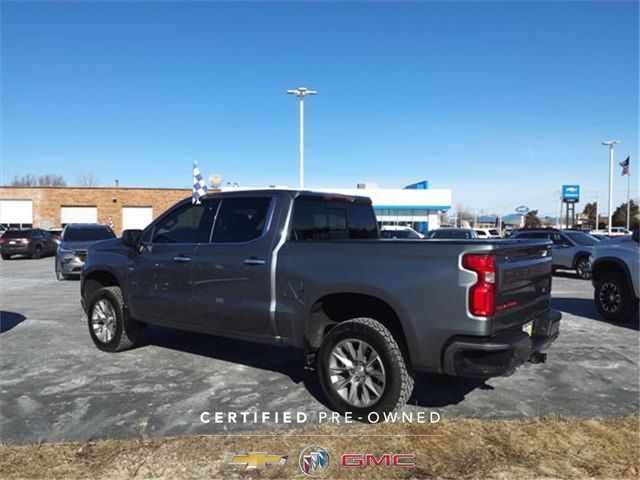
column 255, row 460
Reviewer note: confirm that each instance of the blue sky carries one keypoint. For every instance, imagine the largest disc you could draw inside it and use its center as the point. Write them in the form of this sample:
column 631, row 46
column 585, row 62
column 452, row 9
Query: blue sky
column 501, row 102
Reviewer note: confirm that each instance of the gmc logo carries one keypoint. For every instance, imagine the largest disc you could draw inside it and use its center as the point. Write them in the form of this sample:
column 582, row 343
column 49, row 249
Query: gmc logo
column 402, row 460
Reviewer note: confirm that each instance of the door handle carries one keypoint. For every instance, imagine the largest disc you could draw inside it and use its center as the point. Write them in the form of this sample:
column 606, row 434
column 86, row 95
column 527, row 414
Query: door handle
column 181, row 259
column 254, row 261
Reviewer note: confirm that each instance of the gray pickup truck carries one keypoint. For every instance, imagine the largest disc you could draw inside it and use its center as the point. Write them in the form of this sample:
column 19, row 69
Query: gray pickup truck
column 304, row 269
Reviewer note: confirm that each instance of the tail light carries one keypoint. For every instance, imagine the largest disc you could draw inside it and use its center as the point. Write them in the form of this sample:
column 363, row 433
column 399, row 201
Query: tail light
column 482, row 295
column 1, row 241
column 23, row 240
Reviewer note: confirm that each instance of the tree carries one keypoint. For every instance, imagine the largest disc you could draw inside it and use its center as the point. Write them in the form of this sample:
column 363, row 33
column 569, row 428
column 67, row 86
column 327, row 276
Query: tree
column 27, row 180
column 462, row 214
column 87, row 179
column 531, row 220
column 590, row 212
column 619, row 218
column 49, row 180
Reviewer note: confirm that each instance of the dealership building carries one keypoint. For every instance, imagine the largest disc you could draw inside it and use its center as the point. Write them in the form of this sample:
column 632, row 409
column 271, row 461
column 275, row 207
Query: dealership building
column 54, row 207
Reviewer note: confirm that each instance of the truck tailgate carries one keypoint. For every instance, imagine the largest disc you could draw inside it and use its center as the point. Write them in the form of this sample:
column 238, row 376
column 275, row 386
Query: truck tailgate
column 523, row 282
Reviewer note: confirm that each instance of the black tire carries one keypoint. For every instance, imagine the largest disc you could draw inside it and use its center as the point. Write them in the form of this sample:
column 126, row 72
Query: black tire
column 398, row 382
column 59, row 275
column 6, row 257
column 583, row 268
column 614, row 298
column 37, row 253
column 127, row 330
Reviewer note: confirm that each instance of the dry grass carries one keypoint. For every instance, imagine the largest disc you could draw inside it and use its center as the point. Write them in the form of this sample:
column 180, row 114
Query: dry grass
column 557, row 448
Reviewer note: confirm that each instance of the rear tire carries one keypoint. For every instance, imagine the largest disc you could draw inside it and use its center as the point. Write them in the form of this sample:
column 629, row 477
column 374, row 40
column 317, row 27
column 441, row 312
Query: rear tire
column 37, row 253
column 583, row 268
column 365, row 351
column 110, row 328
column 614, row 299
column 6, row 257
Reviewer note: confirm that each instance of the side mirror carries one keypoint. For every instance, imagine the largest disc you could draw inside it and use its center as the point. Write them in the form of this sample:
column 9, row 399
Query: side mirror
column 130, row 237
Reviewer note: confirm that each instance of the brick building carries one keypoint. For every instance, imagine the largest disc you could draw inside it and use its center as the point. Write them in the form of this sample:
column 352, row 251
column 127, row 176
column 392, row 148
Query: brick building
column 54, row 207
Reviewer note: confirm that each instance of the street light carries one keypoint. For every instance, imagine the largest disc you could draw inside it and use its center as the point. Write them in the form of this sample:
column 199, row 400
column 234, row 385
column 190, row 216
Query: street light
column 610, row 144
column 301, row 92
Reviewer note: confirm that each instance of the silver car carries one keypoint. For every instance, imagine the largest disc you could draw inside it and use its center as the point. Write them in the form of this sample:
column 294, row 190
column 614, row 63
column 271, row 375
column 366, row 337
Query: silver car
column 571, row 248
column 72, row 250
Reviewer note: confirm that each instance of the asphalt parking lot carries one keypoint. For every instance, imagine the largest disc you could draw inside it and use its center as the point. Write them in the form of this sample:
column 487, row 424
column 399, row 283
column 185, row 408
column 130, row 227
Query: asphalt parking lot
column 55, row 385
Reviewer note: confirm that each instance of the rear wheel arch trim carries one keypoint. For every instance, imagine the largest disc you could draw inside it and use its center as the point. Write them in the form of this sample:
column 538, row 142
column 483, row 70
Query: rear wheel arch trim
column 599, row 268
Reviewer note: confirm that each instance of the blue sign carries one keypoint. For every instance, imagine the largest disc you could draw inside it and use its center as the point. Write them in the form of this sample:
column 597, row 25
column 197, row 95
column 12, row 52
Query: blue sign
column 522, row 209
column 571, row 193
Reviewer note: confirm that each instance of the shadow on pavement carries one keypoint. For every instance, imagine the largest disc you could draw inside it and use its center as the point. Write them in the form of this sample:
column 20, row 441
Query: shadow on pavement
column 430, row 390
column 8, row 320
column 585, row 307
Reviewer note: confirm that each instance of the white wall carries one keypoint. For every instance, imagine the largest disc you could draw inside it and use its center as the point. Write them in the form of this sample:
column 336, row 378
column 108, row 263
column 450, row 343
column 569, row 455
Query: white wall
column 16, row 211
column 78, row 215
column 136, row 217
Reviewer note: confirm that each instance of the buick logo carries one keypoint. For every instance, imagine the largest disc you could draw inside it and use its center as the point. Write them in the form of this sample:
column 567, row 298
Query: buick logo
column 314, row 461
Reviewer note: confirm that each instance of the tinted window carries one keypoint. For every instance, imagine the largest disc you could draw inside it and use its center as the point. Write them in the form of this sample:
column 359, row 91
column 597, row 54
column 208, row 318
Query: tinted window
column 581, row 238
column 453, row 233
column 187, row 224
column 398, row 234
column 241, row 219
column 17, row 234
column 321, row 220
column 90, row 234
column 494, row 232
column 481, row 233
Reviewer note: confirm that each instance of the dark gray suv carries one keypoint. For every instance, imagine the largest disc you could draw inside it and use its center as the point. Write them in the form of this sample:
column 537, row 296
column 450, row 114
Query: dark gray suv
column 571, row 248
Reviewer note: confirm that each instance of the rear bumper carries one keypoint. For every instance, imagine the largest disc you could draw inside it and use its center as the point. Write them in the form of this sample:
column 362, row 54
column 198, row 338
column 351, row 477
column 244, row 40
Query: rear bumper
column 17, row 250
column 501, row 353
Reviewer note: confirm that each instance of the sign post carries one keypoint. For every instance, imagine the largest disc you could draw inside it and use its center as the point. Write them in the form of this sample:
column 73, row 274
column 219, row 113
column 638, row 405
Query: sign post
column 570, row 196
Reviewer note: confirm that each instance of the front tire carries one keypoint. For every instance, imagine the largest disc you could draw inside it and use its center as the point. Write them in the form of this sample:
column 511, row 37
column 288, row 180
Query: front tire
column 6, row 257
column 614, row 299
column 362, row 369
column 110, row 328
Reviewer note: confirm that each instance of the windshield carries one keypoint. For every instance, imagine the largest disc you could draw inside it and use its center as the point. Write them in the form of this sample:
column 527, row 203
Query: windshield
column 88, row 234
column 581, row 238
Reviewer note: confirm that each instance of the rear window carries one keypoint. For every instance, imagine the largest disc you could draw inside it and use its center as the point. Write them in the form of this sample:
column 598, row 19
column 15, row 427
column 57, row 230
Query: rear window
column 17, row 234
column 453, row 233
column 494, row 232
column 481, row 233
column 582, row 238
column 325, row 220
column 91, row 234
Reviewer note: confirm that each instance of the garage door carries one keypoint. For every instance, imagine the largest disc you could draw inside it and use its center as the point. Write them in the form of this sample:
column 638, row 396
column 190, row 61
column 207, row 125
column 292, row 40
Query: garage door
column 78, row 215
column 136, row 217
column 16, row 212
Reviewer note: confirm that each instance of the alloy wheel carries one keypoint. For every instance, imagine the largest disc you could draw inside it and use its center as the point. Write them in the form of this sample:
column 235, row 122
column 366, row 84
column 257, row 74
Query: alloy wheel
column 609, row 296
column 357, row 373
column 103, row 320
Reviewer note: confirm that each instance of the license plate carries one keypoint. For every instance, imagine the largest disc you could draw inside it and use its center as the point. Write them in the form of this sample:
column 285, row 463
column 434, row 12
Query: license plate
column 12, row 242
column 528, row 328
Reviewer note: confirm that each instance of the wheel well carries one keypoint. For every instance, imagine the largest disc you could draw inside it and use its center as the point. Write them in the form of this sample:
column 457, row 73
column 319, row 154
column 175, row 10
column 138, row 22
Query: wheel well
column 579, row 256
column 601, row 268
column 97, row 280
column 339, row 307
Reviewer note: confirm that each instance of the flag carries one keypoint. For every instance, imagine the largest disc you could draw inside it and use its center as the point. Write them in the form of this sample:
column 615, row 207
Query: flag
column 199, row 185
column 110, row 222
column 625, row 166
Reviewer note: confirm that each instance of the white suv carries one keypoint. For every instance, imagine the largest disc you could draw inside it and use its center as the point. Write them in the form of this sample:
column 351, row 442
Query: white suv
column 615, row 265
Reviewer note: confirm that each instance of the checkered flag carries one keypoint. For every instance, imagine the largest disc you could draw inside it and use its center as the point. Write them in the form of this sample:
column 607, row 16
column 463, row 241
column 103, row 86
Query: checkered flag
column 199, row 185
column 110, row 222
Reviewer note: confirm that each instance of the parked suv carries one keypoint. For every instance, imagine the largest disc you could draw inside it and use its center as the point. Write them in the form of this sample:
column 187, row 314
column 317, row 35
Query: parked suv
column 390, row 231
column 615, row 265
column 34, row 243
column 74, row 242
column 307, row 270
column 571, row 248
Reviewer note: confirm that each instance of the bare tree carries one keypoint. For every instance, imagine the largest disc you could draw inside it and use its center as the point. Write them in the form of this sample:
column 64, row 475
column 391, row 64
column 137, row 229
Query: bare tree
column 462, row 213
column 87, row 179
column 27, row 180
column 49, row 180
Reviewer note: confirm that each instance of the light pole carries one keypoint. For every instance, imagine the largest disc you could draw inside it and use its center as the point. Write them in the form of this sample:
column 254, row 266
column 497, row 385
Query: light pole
column 610, row 144
column 301, row 92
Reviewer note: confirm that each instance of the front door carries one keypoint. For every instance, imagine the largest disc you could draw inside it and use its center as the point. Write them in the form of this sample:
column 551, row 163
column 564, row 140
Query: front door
column 160, row 269
column 231, row 284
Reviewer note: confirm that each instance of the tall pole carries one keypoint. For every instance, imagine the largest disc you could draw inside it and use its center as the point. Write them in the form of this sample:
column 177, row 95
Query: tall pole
column 301, row 141
column 610, row 144
column 597, row 209
column 628, row 190
column 301, row 92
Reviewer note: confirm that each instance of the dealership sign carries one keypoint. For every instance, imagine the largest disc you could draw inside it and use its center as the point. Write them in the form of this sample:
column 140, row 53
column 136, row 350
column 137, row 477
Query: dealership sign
column 522, row 209
column 571, row 193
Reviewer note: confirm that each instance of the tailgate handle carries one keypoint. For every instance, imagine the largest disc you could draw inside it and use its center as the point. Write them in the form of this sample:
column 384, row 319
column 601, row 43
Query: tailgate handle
column 181, row 259
column 254, row 261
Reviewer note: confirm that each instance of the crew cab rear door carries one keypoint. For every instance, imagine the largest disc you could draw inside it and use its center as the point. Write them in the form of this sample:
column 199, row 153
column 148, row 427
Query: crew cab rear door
column 231, row 276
